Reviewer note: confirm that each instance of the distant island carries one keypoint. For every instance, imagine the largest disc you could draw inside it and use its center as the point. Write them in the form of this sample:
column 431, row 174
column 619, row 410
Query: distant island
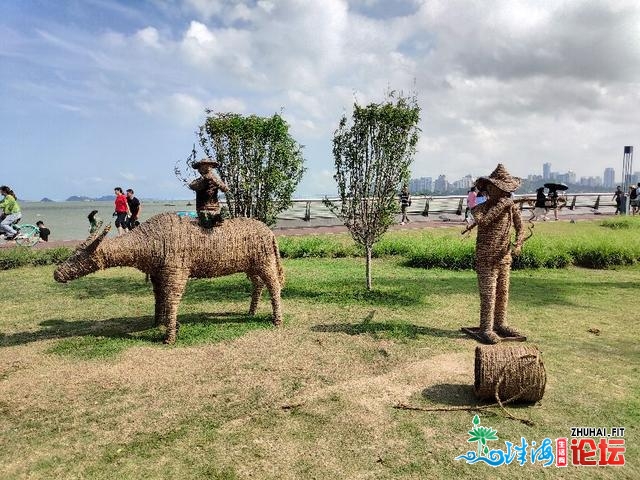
column 80, row 198
column 75, row 198
column 45, row 199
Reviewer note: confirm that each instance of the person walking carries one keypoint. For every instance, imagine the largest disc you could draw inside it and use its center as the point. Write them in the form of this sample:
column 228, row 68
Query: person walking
column 540, row 208
column 634, row 191
column 11, row 213
column 405, row 202
column 206, row 188
column 472, row 196
column 553, row 199
column 617, row 196
column 135, row 207
column 121, row 210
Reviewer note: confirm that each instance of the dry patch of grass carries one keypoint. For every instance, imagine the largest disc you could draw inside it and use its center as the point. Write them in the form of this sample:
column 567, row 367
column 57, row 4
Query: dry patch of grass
column 212, row 406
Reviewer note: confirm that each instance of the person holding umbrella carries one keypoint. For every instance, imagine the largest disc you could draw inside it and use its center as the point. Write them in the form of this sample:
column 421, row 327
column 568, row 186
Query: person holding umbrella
column 553, row 196
column 540, row 207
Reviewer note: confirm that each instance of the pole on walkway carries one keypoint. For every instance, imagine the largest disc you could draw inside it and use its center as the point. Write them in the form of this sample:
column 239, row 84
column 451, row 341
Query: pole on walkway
column 627, row 168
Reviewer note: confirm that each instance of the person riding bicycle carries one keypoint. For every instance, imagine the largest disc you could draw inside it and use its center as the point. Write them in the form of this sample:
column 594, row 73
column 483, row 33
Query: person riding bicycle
column 10, row 211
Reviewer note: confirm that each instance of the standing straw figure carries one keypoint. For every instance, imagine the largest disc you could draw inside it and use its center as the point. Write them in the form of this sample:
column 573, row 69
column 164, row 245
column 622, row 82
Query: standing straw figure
column 494, row 219
column 206, row 188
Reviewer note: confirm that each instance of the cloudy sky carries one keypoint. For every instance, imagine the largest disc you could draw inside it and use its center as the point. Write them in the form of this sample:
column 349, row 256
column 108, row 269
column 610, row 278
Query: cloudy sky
column 99, row 93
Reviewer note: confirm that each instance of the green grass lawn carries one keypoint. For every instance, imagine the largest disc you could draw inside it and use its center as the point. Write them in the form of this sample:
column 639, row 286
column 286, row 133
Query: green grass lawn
column 88, row 391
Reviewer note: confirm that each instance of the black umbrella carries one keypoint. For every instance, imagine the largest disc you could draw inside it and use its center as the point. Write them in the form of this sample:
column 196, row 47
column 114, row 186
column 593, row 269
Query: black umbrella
column 556, row 186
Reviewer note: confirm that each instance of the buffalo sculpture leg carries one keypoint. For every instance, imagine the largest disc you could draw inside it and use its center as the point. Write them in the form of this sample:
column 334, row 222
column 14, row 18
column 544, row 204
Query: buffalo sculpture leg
column 272, row 280
column 258, row 286
column 168, row 288
column 159, row 314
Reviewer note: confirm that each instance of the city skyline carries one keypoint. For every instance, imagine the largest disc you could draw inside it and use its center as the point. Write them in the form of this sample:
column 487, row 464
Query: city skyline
column 440, row 183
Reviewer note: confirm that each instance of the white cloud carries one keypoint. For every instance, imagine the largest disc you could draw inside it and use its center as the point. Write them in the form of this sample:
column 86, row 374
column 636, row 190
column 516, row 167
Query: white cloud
column 199, row 43
column 227, row 104
column 184, row 109
column 519, row 81
column 205, row 8
column 149, row 36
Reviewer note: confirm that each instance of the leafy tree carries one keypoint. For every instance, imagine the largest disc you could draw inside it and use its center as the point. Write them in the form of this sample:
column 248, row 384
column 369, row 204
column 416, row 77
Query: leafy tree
column 259, row 161
column 372, row 158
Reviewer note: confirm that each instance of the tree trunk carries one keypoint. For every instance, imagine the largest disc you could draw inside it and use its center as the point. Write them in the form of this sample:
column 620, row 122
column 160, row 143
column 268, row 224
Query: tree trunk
column 368, row 248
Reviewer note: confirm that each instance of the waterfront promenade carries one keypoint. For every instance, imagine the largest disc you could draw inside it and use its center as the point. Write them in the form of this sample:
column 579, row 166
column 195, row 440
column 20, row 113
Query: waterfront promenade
column 318, row 227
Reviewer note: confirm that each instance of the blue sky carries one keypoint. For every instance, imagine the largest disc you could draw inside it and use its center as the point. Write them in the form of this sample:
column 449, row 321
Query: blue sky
column 103, row 93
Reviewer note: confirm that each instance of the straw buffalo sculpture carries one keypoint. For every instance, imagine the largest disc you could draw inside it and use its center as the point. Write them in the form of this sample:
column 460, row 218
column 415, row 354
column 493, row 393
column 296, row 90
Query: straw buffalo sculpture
column 172, row 249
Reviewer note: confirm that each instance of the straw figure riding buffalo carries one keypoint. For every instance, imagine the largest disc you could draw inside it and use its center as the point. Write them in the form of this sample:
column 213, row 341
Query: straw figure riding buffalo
column 172, row 249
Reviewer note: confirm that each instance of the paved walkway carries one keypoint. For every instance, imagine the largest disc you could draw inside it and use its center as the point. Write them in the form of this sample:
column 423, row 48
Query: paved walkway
column 417, row 224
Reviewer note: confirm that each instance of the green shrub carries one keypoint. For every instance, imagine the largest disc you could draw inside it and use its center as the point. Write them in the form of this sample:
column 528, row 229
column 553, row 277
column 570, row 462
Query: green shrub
column 444, row 253
column 543, row 252
column 602, row 255
column 317, row 246
column 403, row 245
column 14, row 258
column 621, row 223
column 25, row 256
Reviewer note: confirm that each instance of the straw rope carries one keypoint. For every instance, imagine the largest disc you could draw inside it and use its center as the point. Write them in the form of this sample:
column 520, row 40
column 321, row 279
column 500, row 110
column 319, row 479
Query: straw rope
column 509, row 371
column 506, row 371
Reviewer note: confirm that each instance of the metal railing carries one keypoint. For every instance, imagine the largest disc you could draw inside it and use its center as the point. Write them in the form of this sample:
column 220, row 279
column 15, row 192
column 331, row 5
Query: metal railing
column 308, row 209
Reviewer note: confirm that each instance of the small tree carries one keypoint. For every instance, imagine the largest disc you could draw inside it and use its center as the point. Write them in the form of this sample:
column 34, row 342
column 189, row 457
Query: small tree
column 259, row 161
column 372, row 159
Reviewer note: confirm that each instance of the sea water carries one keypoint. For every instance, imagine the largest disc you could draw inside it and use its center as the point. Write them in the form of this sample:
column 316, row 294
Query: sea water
column 68, row 220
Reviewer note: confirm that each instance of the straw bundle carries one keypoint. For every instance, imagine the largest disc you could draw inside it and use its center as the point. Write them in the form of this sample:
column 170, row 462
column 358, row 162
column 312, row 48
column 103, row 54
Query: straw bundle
column 509, row 372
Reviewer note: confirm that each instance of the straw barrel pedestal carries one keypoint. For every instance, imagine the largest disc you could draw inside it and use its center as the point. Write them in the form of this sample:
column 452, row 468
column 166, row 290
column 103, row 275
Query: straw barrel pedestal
column 514, row 371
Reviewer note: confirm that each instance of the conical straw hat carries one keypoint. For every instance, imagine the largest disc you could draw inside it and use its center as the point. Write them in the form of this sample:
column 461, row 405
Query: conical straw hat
column 501, row 179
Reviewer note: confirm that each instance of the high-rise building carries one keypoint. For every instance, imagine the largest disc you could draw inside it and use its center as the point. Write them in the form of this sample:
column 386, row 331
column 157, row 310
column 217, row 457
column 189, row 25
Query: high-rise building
column 546, row 171
column 609, row 178
column 591, row 181
column 465, row 183
column 441, row 185
column 421, row 185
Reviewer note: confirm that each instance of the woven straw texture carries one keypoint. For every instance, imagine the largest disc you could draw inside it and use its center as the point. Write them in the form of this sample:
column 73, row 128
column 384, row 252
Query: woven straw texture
column 509, row 372
column 495, row 218
column 172, row 249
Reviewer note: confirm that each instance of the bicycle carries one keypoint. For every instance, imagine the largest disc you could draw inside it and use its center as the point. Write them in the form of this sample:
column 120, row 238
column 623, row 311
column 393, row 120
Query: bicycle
column 28, row 235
